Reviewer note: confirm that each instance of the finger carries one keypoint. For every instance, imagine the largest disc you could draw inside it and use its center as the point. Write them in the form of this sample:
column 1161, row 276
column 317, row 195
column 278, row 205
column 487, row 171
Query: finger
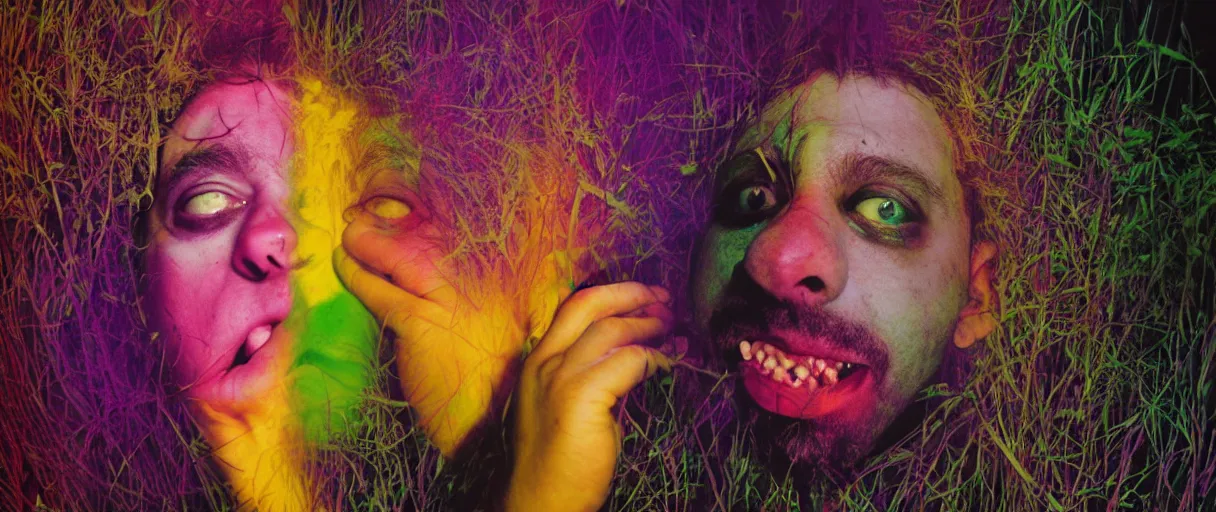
column 609, row 333
column 382, row 298
column 623, row 369
column 592, row 304
column 407, row 258
column 659, row 309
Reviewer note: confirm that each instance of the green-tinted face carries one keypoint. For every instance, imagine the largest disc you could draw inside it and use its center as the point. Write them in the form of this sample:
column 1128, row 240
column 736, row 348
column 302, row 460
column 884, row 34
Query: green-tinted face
column 839, row 252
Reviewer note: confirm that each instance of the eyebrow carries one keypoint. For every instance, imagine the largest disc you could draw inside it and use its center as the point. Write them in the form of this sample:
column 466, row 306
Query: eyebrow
column 217, row 158
column 857, row 169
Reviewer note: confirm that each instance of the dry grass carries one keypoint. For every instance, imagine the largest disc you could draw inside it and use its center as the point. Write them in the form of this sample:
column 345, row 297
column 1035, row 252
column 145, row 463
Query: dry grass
column 1094, row 394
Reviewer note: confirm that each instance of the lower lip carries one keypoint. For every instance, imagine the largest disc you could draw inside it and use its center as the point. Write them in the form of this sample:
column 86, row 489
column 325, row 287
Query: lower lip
column 854, row 392
column 255, row 378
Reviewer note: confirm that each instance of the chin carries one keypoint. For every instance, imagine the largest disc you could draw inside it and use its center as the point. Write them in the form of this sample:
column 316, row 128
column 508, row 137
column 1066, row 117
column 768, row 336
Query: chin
column 246, row 374
column 816, row 450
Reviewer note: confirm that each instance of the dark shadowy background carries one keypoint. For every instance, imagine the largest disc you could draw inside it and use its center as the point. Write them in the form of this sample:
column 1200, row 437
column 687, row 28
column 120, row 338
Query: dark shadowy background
column 1186, row 26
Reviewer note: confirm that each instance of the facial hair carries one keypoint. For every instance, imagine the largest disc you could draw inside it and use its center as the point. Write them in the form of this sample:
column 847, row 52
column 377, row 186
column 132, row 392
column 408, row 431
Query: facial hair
column 823, row 445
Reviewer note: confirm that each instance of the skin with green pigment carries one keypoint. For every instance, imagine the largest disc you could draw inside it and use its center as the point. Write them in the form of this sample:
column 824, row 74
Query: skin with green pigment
column 334, row 350
column 890, row 255
column 336, row 335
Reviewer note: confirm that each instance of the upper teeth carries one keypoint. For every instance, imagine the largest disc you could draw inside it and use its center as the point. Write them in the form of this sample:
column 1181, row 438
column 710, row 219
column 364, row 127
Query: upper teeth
column 781, row 367
column 257, row 338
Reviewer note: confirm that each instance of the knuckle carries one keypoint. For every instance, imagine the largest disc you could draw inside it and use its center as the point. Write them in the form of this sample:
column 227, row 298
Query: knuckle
column 628, row 329
column 547, row 370
column 634, row 351
column 581, row 299
column 353, row 237
column 533, row 365
column 397, row 316
column 611, row 326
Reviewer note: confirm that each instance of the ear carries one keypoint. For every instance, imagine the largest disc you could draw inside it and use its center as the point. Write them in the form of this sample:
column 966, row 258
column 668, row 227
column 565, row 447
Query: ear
column 976, row 321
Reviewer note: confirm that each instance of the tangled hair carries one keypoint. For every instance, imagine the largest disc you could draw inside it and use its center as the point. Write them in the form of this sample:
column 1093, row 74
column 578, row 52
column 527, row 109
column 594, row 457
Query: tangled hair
column 91, row 413
column 1048, row 128
column 897, row 42
column 1093, row 393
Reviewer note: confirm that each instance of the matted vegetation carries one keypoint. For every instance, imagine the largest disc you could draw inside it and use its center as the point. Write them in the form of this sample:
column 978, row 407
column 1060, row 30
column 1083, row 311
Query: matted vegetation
column 1095, row 393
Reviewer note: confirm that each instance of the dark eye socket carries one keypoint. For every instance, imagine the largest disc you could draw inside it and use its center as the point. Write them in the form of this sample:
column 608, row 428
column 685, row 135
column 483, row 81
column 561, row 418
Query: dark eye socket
column 388, row 201
column 886, row 216
column 206, row 210
column 752, row 196
column 884, row 210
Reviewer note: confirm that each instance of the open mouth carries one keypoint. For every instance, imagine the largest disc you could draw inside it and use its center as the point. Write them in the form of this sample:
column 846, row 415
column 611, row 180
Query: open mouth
column 254, row 341
column 797, row 371
column 803, row 385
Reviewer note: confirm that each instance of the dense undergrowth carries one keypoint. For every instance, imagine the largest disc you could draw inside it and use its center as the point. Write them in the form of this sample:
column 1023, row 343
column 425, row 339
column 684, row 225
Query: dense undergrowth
column 1091, row 147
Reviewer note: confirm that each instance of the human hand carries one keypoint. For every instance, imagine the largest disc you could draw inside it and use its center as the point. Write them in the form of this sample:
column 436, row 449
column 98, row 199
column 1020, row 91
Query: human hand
column 456, row 351
column 566, row 438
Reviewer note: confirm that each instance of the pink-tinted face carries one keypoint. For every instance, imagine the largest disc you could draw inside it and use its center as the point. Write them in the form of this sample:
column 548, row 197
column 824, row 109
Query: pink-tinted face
column 221, row 245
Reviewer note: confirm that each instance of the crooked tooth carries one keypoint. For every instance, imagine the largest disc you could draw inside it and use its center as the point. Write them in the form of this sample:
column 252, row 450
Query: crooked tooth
column 745, row 348
column 770, row 363
column 801, row 372
column 786, row 362
column 829, row 376
column 257, row 338
column 811, row 384
column 839, row 365
column 779, row 375
column 760, row 355
column 797, row 382
column 820, row 364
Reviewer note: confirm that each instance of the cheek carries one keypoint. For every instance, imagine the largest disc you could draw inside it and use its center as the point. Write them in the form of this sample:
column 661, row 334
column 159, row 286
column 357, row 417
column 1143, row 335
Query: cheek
column 186, row 280
column 913, row 305
column 720, row 252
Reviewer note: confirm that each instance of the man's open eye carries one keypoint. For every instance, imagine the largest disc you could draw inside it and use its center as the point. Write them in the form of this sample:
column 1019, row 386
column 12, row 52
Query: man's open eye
column 756, row 200
column 210, row 203
column 883, row 210
column 746, row 204
column 207, row 211
column 755, row 188
column 387, row 208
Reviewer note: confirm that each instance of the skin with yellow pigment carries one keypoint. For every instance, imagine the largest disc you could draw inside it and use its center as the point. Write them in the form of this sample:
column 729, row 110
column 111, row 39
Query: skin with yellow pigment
column 240, row 278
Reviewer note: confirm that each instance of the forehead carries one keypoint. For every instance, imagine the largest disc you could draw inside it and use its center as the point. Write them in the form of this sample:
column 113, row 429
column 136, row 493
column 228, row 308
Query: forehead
column 854, row 114
column 255, row 116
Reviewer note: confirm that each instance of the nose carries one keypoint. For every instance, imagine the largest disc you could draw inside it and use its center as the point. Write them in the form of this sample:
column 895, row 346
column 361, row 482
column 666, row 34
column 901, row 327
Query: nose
column 265, row 245
column 798, row 258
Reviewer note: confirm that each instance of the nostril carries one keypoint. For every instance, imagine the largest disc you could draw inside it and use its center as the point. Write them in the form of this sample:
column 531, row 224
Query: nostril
column 813, row 284
column 273, row 262
column 255, row 273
